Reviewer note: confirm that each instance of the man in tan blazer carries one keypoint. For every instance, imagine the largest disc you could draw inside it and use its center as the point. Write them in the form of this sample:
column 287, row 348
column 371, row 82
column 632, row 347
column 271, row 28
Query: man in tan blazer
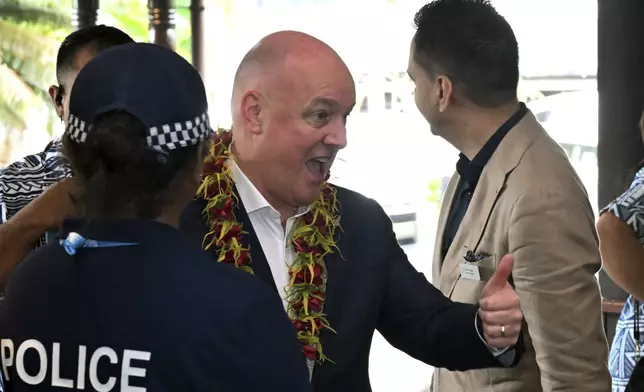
column 514, row 192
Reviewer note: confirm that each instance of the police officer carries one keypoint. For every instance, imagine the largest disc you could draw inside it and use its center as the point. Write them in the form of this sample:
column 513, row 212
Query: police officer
column 122, row 302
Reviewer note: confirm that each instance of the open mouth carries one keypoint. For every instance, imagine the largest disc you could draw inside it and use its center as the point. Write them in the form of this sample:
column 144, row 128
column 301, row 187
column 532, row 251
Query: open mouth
column 319, row 167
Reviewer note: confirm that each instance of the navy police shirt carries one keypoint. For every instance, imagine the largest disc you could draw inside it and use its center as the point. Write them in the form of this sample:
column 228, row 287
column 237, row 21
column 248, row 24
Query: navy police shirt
column 157, row 316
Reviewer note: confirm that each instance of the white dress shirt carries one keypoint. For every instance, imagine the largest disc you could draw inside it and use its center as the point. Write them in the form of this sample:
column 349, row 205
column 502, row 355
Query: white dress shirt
column 267, row 223
column 273, row 238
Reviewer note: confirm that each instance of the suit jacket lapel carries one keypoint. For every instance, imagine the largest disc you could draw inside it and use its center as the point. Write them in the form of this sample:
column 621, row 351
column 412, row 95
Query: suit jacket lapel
column 446, row 206
column 488, row 190
column 332, row 305
column 259, row 263
column 194, row 224
column 474, row 223
column 336, row 277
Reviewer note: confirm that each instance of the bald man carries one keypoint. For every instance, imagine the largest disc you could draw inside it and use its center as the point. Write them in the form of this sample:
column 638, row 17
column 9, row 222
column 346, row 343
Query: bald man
column 291, row 99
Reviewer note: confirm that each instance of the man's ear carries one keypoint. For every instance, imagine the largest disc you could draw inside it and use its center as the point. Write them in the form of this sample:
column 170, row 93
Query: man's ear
column 445, row 91
column 57, row 98
column 251, row 111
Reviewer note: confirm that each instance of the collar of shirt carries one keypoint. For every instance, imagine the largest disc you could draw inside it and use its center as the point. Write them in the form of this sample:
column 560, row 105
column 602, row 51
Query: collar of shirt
column 470, row 171
column 251, row 198
column 57, row 162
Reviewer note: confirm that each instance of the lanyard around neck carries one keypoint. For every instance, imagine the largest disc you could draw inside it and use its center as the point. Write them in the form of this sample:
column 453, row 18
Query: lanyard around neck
column 75, row 241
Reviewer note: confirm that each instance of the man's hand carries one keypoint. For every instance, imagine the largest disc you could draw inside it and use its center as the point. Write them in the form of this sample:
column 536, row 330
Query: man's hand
column 500, row 310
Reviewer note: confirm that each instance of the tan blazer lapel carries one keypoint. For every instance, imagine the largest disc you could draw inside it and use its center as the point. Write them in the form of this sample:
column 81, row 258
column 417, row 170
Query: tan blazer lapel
column 489, row 188
column 446, row 206
column 473, row 226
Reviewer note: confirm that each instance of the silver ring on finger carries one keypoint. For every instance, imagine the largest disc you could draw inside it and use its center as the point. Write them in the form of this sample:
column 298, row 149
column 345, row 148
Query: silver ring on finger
column 503, row 330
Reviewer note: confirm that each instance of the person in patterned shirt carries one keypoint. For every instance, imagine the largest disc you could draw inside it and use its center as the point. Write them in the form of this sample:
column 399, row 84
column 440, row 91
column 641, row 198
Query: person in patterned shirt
column 27, row 178
column 24, row 180
column 621, row 232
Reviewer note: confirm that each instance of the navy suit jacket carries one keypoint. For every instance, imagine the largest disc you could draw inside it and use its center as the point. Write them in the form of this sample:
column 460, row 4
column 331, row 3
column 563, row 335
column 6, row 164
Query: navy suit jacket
column 371, row 285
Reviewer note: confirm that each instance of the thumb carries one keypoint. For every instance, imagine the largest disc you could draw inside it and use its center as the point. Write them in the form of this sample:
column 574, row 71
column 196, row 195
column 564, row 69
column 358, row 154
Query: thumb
column 501, row 275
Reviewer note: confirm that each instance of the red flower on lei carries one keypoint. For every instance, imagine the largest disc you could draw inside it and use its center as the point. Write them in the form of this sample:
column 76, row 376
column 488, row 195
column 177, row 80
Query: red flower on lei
column 312, row 237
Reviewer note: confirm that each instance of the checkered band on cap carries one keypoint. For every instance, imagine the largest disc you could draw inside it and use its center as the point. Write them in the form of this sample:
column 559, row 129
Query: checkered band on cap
column 180, row 134
column 77, row 129
column 162, row 138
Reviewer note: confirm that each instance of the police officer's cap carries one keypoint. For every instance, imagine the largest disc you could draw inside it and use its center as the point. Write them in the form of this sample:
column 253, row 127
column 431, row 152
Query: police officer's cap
column 152, row 83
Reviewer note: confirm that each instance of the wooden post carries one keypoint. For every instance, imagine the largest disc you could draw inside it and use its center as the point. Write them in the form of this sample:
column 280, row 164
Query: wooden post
column 162, row 23
column 84, row 13
column 196, row 23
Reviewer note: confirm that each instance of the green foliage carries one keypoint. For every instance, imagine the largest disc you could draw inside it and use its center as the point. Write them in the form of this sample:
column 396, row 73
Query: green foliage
column 30, row 33
column 131, row 16
column 28, row 41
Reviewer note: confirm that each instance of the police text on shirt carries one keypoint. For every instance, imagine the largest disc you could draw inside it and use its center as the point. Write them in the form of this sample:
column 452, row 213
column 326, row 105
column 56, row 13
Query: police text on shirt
column 128, row 370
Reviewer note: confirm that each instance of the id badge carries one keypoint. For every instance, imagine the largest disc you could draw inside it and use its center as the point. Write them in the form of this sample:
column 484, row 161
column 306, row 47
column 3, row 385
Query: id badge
column 470, row 271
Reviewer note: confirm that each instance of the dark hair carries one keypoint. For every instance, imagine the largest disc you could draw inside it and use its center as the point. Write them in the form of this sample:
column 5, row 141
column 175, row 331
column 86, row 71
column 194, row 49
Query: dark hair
column 471, row 43
column 96, row 38
column 120, row 175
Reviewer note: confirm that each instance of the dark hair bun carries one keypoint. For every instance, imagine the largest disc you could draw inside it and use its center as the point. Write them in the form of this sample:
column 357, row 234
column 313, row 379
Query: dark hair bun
column 121, row 174
column 117, row 143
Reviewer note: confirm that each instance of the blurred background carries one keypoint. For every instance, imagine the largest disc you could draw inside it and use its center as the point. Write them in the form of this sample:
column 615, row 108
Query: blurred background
column 392, row 156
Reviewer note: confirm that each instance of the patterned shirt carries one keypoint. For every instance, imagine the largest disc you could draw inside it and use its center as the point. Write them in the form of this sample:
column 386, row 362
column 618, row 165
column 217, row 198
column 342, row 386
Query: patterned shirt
column 629, row 207
column 26, row 179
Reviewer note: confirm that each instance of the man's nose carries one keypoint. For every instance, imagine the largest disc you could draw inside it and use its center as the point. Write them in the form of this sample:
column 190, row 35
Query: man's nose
column 337, row 136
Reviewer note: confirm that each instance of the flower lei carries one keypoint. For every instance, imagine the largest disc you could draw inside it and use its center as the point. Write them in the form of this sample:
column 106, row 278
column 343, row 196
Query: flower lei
column 312, row 238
